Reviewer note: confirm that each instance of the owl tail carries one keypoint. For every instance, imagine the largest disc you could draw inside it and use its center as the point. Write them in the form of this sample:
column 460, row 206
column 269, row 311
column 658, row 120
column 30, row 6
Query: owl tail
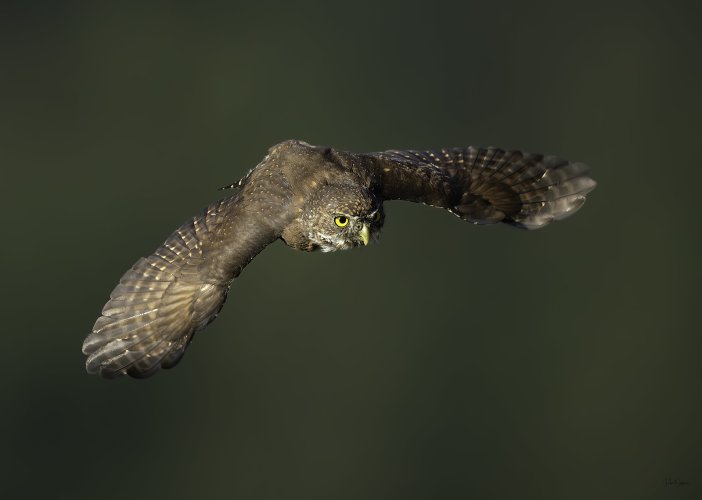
column 153, row 313
column 524, row 190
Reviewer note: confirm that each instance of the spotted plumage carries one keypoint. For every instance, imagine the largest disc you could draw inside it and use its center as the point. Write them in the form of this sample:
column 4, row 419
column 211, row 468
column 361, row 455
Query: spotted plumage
column 312, row 198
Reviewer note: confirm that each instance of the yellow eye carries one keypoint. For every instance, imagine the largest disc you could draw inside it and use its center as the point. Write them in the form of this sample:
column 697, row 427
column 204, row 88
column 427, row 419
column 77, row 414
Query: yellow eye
column 376, row 216
column 341, row 221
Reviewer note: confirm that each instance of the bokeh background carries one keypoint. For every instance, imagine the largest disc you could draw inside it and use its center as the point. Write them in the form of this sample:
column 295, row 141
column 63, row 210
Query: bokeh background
column 488, row 362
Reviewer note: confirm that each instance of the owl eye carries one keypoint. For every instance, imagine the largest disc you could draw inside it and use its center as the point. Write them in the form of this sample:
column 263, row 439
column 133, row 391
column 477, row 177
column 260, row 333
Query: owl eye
column 376, row 217
column 341, row 221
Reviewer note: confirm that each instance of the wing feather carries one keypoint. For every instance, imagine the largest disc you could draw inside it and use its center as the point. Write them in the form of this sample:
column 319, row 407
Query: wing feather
column 486, row 185
column 165, row 298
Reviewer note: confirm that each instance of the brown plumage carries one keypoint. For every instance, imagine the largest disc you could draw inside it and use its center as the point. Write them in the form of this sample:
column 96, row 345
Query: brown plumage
column 311, row 198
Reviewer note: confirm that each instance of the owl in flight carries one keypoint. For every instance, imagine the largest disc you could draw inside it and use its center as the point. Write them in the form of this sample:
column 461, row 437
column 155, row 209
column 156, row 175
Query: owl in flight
column 312, row 198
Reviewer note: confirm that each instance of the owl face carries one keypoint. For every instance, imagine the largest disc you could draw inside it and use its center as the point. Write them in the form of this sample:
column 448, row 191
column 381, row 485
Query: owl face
column 344, row 217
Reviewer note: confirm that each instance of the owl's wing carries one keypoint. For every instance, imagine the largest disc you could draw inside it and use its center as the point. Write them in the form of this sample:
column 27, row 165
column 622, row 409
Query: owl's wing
column 486, row 185
column 166, row 297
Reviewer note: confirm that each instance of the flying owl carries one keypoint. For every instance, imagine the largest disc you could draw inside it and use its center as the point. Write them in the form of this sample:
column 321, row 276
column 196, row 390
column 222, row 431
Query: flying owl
column 312, row 198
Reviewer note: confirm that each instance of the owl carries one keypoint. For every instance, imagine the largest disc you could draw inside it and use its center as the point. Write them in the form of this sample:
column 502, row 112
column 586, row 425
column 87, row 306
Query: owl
column 311, row 198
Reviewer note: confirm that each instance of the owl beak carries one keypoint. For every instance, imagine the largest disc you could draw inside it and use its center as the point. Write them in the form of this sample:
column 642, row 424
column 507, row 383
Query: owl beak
column 364, row 234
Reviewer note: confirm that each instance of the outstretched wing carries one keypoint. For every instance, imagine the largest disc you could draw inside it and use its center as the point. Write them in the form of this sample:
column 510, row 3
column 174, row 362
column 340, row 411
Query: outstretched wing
column 486, row 185
column 165, row 298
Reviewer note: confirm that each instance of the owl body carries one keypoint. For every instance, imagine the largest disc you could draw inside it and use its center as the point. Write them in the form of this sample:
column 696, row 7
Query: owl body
column 319, row 185
column 312, row 198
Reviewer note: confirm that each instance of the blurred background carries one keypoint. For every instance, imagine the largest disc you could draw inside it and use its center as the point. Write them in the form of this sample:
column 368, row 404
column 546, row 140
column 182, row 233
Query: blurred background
column 119, row 120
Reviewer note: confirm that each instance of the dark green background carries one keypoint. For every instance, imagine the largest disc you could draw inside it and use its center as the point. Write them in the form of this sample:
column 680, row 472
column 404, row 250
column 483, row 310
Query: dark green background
column 450, row 361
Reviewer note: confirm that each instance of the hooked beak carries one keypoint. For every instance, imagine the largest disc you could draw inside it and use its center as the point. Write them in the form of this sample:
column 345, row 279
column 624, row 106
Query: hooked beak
column 364, row 234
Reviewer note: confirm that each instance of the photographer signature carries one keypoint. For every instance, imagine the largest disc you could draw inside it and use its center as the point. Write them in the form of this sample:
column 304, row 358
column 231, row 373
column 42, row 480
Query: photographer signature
column 671, row 482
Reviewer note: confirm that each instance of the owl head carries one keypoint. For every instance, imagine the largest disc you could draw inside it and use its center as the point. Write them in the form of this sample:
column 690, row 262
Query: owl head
column 338, row 217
